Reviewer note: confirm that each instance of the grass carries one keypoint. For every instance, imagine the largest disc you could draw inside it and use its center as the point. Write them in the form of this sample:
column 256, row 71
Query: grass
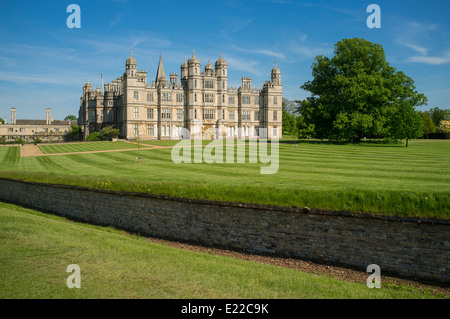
column 37, row 248
column 85, row 147
column 368, row 177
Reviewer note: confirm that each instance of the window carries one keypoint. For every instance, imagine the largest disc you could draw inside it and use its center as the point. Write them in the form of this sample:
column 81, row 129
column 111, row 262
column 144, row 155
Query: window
column 208, row 84
column 177, row 132
column 195, row 114
column 166, row 96
column 246, row 99
column 179, row 114
column 115, row 115
column 165, row 130
column 195, row 97
column 208, row 98
column 275, row 116
column 91, row 116
column 231, row 116
column 136, row 113
column 165, row 113
column 208, row 114
column 101, row 115
column 150, row 97
column 56, row 130
column 256, row 116
column 275, row 131
column 10, row 129
column 245, row 115
column 136, row 95
column 223, row 84
column 231, row 100
column 256, row 100
column 223, row 98
column 179, row 97
column 22, row 129
column 223, row 114
column 150, row 114
column 195, row 81
column 136, row 130
column 274, row 100
column 150, row 130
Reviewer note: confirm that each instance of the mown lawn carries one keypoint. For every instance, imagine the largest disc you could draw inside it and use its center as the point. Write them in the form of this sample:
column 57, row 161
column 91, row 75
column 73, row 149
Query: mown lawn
column 37, row 248
column 368, row 177
column 85, row 147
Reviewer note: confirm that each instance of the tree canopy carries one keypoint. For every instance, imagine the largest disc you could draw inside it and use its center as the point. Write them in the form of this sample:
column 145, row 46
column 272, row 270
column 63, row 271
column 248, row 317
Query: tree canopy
column 356, row 94
column 70, row 118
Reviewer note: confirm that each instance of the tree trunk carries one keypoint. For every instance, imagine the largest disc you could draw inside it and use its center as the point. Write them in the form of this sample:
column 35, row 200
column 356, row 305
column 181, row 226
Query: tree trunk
column 406, row 142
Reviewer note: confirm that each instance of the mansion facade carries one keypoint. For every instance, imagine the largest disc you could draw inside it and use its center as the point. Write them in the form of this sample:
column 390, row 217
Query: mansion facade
column 199, row 99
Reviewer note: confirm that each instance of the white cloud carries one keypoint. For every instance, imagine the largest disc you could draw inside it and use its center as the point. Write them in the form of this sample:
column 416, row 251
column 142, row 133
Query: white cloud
column 432, row 60
column 267, row 52
column 244, row 65
column 413, row 46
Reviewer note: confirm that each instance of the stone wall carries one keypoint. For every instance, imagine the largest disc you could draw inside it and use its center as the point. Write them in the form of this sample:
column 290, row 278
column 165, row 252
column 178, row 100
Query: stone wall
column 416, row 248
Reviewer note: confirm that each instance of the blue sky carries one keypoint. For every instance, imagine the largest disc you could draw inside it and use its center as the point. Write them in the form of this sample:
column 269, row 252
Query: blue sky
column 44, row 64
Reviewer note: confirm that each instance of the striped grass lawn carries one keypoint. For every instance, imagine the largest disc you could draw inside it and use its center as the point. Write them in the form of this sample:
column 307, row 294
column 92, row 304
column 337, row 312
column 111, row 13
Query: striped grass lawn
column 85, row 147
column 37, row 248
column 368, row 177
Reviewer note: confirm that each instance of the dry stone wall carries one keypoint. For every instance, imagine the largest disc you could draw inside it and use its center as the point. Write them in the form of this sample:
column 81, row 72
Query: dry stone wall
column 416, row 248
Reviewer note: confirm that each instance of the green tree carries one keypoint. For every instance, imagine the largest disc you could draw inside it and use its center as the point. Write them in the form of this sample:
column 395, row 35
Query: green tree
column 357, row 94
column 109, row 132
column 437, row 115
column 70, row 118
column 289, row 106
column 289, row 124
column 406, row 123
column 428, row 125
column 74, row 134
column 2, row 121
column 305, row 128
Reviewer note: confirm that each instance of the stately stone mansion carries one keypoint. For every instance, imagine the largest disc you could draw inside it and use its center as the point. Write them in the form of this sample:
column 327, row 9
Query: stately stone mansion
column 202, row 99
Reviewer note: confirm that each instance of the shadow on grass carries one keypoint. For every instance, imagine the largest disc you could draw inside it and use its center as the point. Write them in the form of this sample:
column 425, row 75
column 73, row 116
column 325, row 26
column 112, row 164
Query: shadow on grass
column 374, row 143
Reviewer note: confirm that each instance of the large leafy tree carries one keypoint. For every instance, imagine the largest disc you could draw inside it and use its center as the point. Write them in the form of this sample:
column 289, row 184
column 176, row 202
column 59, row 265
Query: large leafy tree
column 356, row 94
column 428, row 125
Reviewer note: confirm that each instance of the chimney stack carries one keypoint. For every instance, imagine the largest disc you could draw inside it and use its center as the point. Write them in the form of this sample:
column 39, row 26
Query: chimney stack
column 48, row 117
column 13, row 115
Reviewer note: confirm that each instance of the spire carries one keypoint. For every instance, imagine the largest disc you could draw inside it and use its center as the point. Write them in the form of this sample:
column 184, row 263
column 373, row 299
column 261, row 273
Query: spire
column 160, row 77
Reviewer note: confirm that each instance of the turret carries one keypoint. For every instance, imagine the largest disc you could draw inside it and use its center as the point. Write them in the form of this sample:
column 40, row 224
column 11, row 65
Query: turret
column 131, row 65
column 184, row 70
column 276, row 75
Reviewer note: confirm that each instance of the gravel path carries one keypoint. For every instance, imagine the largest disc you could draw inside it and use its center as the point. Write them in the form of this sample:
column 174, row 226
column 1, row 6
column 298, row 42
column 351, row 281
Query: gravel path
column 30, row 150
column 336, row 272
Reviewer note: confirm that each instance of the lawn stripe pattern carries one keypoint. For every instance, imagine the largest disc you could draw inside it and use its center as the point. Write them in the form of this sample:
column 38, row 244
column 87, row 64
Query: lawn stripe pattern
column 377, row 178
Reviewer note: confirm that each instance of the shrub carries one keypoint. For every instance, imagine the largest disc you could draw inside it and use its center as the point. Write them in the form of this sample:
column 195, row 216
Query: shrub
column 109, row 132
column 94, row 137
